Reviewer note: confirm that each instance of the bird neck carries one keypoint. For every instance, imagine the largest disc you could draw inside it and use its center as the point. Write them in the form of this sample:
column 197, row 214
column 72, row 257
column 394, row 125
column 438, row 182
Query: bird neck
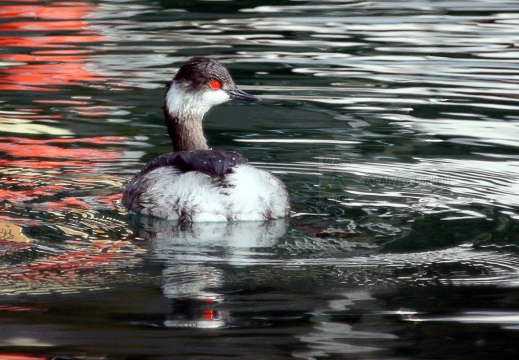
column 184, row 122
column 185, row 133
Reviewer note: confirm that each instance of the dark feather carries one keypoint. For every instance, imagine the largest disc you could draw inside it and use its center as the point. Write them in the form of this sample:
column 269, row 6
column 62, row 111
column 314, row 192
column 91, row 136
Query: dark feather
column 214, row 163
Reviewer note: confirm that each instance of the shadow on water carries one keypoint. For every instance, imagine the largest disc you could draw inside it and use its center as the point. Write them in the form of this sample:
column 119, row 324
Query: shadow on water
column 394, row 128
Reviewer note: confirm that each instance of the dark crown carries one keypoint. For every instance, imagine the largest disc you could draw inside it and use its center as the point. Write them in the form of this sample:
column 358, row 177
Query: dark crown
column 197, row 71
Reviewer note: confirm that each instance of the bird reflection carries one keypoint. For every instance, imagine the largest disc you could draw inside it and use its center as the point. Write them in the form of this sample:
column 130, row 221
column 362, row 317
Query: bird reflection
column 166, row 234
column 196, row 259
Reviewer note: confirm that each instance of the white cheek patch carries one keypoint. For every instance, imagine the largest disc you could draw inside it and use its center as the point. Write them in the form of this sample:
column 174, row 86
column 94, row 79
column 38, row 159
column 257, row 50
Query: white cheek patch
column 215, row 97
column 178, row 100
column 175, row 99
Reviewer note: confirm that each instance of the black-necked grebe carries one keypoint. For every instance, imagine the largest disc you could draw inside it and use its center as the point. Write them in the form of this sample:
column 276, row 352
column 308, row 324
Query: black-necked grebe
column 195, row 183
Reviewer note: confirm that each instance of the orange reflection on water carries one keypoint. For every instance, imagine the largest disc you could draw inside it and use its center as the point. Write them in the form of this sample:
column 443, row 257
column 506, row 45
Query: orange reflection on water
column 7, row 356
column 56, row 11
column 47, row 154
column 33, row 191
column 54, row 182
column 31, row 166
column 64, row 60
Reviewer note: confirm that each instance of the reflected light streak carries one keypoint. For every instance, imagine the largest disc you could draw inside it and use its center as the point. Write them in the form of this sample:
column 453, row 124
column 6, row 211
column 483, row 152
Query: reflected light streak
column 46, row 70
column 48, row 154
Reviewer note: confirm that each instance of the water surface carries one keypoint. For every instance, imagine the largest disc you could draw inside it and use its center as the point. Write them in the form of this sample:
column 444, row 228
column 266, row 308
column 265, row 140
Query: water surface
column 393, row 124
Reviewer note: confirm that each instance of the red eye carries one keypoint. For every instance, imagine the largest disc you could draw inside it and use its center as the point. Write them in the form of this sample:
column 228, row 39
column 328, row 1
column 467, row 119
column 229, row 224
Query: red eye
column 215, row 84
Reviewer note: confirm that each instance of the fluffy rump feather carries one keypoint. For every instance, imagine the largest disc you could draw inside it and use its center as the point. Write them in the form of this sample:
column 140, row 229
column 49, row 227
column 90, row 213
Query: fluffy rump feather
column 243, row 194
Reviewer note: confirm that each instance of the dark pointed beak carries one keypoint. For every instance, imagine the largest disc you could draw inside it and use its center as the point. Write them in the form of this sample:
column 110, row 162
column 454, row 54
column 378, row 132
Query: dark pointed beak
column 237, row 94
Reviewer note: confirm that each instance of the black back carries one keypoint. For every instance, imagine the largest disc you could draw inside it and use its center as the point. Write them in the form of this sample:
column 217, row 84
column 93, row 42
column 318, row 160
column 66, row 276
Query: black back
column 214, row 163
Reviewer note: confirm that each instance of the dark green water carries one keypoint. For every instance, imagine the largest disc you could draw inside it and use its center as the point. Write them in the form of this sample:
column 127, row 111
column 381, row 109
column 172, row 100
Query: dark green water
column 395, row 126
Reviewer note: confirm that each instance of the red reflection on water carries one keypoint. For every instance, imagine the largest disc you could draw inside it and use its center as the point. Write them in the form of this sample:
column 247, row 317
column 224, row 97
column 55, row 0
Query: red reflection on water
column 7, row 356
column 41, row 156
column 47, row 154
column 44, row 70
column 16, row 308
column 45, row 47
column 68, row 202
column 33, row 192
column 55, row 11
column 69, row 262
column 95, row 110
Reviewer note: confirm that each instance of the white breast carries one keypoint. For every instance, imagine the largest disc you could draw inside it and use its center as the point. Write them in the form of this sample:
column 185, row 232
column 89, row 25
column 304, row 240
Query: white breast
column 246, row 194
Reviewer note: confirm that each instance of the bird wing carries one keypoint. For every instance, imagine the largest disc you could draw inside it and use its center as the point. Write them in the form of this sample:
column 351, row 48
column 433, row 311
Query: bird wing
column 214, row 163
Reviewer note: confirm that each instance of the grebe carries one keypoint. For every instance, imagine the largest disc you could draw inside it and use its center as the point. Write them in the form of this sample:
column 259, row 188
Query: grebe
column 195, row 183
